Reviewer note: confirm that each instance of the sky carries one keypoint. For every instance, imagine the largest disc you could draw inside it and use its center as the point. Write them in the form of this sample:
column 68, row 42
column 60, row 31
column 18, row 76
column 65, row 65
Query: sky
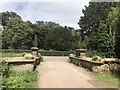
column 64, row 12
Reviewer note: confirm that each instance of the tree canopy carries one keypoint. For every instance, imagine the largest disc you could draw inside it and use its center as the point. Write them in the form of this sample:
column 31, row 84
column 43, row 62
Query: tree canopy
column 19, row 34
column 98, row 27
column 99, row 31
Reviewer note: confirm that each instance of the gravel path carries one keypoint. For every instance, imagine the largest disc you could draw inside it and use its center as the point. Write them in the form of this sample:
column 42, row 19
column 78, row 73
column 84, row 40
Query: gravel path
column 56, row 72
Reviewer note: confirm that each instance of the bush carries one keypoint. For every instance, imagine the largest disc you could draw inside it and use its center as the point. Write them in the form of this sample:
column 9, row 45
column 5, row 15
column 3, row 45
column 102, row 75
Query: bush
column 5, row 70
column 55, row 53
column 8, row 79
column 25, row 79
column 92, row 53
column 15, row 51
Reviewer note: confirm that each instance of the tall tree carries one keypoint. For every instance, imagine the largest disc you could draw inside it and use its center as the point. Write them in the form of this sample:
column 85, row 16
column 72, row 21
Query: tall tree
column 19, row 34
column 89, row 23
column 104, row 44
column 42, row 29
column 93, row 14
column 16, row 35
column 6, row 16
column 62, row 38
column 117, row 36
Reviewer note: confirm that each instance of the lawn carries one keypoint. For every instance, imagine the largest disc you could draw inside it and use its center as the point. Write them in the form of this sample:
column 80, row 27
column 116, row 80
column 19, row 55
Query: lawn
column 107, row 79
column 9, row 54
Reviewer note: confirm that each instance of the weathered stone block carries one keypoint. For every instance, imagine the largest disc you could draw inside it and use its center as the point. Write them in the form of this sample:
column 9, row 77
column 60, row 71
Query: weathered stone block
column 22, row 67
column 28, row 56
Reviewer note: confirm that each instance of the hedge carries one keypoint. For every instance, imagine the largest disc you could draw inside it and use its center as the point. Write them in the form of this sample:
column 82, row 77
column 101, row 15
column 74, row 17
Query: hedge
column 42, row 52
column 55, row 53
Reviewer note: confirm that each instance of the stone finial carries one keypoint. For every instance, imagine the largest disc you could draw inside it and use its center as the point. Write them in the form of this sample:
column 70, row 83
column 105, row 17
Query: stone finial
column 34, row 51
column 80, row 52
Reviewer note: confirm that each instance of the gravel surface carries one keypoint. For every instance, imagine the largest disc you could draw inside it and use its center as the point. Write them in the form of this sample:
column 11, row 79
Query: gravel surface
column 56, row 72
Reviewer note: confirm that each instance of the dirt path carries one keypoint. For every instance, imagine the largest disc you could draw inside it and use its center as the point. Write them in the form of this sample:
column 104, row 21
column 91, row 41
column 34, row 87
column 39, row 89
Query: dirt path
column 56, row 72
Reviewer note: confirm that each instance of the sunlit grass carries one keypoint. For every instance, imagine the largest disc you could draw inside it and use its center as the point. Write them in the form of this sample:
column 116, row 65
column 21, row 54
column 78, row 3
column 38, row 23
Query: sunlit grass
column 25, row 79
column 106, row 78
column 13, row 54
column 113, row 80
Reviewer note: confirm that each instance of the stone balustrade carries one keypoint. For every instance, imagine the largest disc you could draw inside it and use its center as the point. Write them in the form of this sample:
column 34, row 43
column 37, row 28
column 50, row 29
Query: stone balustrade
column 22, row 64
column 85, row 62
column 110, row 65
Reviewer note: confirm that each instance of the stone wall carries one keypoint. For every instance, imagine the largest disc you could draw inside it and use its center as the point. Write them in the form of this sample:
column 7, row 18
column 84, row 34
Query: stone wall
column 107, row 66
column 22, row 67
column 83, row 62
column 23, row 64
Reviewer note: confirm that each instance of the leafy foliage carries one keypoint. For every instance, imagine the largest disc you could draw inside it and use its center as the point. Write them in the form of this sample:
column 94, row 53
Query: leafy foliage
column 18, row 34
column 61, row 39
column 6, row 16
column 9, row 79
column 25, row 79
column 93, row 14
column 104, row 41
column 98, row 27
column 14, row 53
column 117, row 36
column 5, row 70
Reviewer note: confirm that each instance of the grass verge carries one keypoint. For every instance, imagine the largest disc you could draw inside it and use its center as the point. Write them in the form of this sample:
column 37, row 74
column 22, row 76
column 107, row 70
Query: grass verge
column 104, row 80
column 25, row 79
column 13, row 54
column 109, row 80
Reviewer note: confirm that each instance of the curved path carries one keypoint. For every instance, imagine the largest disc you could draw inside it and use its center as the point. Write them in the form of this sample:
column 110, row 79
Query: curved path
column 56, row 72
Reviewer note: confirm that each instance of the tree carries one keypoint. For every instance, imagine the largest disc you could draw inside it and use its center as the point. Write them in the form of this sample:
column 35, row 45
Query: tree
column 6, row 16
column 99, row 26
column 89, row 23
column 19, row 34
column 104, row 40
column 41, row 29
column 111, row 23
column 61, row 38
column 117, row 39
column 117, row 33
column 16, row 35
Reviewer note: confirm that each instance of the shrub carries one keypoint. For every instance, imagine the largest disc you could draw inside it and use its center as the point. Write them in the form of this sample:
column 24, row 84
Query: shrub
column 16, row 52
column 5, row 70
column 92, row 53
column 55, row 53
column 25, row 79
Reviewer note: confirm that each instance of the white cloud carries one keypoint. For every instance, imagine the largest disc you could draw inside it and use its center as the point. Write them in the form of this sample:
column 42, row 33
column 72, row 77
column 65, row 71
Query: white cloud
column 65, row 12
column 42, row 0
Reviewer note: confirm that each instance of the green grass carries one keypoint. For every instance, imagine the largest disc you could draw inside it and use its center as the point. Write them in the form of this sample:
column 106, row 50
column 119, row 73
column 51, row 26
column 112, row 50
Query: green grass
column 17, row 53
column 106, row 78
column 25, row 79
column 9, row 54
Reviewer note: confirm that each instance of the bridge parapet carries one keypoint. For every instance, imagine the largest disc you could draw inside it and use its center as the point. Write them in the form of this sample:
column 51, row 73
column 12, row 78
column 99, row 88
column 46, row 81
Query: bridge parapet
column 108, row 65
